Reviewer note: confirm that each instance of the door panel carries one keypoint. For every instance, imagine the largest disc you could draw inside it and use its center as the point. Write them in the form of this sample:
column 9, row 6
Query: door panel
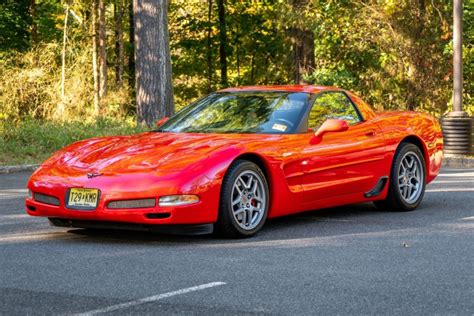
column 344, row 163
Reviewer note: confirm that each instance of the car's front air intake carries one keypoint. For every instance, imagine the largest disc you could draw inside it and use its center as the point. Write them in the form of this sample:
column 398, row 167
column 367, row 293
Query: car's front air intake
column 46, row 199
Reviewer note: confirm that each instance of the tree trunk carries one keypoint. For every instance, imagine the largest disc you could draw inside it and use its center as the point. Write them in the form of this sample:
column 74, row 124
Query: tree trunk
column 95, row 68
column 223, row 41
column 457, row 59
column 303, row 50
column 417, row 59
column 118, row 43
column 34, row 24
column 252, row 68
column 303, row 46
column 131, row 55
column 34, row 30
column 209, row 46
column 102, row 51
column 152, row 61
column 237, row 53
column 60, row 109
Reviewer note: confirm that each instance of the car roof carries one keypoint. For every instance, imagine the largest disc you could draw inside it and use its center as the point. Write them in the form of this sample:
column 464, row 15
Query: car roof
column 288, row 88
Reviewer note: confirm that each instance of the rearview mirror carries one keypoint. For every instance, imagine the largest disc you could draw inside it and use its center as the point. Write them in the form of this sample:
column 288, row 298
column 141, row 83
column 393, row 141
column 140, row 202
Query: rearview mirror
column 330, row 125
column 162, row 121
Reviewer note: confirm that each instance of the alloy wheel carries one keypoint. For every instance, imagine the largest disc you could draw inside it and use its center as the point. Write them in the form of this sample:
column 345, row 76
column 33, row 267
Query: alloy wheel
column 410, row 178
column 248, row 200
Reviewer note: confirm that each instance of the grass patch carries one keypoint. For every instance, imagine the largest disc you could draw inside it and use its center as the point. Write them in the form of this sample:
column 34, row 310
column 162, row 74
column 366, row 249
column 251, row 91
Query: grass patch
column 32, row 141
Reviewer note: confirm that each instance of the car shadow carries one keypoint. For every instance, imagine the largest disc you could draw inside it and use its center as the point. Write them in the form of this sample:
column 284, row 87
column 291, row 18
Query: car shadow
column 333, row 222
column 272, row 226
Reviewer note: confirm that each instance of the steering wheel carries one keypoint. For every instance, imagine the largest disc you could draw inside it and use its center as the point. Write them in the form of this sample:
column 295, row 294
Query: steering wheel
column 286, row 122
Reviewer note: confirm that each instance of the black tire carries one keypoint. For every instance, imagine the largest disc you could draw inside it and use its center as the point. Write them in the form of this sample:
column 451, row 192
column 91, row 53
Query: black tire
column 395, row 200
column 228, row 224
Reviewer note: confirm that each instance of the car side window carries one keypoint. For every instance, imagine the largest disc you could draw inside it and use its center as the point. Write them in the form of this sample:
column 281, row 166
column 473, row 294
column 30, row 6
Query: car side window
column 332, row 105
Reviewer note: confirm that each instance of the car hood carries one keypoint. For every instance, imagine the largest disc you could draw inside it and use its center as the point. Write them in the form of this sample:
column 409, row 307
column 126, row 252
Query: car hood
column 138, row 153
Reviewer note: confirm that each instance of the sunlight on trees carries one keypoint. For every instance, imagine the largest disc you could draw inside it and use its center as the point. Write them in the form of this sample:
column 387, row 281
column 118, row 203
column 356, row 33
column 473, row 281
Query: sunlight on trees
column 394, row 54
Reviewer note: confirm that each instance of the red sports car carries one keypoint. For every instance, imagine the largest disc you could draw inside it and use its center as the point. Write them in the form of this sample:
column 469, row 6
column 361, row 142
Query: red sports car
column 239, row 156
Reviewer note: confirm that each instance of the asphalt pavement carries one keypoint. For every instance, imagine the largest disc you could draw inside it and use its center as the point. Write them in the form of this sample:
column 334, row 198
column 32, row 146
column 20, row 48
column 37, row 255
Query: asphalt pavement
column 348, row 260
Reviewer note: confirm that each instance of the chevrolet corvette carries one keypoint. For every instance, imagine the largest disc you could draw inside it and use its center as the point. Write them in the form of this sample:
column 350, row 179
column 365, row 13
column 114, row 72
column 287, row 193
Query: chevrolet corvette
column 239, row 156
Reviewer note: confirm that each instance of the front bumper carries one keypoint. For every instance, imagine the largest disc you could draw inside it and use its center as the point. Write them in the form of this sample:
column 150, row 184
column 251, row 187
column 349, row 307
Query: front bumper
column 126, row 187
column 189, row 214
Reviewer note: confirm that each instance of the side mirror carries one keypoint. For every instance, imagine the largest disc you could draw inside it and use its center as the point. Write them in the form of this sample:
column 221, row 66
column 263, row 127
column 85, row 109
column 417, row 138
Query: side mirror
column 330, row 125
column 162, row 121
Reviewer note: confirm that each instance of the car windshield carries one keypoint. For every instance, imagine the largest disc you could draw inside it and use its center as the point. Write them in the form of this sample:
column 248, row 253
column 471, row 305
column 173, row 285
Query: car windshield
column 241, row 112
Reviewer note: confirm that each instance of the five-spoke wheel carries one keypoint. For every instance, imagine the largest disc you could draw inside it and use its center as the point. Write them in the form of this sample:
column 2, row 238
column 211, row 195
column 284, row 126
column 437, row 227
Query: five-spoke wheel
column 407, row 180
column 410, row 177
column 248, row 199
column 244, row 200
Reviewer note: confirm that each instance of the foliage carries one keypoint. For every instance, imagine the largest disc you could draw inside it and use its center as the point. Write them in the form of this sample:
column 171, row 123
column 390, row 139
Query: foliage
column 30, row 80
column 331, row 105
column 257, row 47
column 391, row 53
column 14, row 25
column 30, row 85
column 394, row 54
column 32, row 140
column 468, row 57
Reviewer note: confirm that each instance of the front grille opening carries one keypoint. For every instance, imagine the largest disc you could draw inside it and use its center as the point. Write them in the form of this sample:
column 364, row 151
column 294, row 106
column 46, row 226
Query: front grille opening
column 158, row 215
column 31, row 208
column 46, row 199
column 139, row 203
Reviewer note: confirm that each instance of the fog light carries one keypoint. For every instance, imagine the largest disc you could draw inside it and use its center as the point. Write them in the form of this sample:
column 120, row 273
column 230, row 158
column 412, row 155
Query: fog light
column 141, row 203
column 176, row 200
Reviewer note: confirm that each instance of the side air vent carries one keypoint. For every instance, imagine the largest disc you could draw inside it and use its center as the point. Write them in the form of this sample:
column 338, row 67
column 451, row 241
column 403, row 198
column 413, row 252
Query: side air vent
column 378, row 188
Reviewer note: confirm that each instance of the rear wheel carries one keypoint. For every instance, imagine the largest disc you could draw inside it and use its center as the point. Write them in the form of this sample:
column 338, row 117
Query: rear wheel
column 407, row 180
column 244, row 200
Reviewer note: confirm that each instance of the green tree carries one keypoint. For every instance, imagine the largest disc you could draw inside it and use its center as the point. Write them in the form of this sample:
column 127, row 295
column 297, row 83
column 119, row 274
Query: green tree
column 15, row 25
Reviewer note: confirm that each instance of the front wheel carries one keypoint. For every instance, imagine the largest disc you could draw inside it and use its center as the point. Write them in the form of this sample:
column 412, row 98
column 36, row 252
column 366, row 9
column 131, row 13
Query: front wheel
column 244, row 200
column 407, row 180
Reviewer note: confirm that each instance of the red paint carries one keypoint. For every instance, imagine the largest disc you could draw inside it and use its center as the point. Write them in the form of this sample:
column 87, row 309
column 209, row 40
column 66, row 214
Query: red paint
column 336, row 170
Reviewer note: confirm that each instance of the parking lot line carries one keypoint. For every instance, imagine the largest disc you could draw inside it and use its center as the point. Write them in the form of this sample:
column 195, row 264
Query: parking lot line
column 450, row 190
column 34, row 236
column 151, row 299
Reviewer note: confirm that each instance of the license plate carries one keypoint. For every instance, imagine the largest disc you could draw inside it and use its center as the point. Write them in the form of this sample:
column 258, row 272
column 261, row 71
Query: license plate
column 81, row 198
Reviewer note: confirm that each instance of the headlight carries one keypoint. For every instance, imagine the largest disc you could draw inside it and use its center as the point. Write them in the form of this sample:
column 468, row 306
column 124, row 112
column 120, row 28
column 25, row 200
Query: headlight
column 30, row 194
column 141, row 203
column 176, row 200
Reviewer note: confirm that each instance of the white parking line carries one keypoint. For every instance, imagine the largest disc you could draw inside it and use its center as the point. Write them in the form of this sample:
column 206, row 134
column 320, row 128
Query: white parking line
column 151, row 299
column 451, row 190
column 35, row 236
column 455, row 181
column 14, row 216
column 13, row 192
column 457, row 174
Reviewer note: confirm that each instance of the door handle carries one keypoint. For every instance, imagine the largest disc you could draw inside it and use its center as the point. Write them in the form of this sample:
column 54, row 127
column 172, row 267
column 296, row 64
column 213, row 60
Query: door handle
column 370, row 133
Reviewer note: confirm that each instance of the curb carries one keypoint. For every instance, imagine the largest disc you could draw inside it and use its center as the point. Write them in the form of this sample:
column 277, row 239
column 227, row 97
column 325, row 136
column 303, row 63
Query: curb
column 19, row 168
column 450, row 161
column 458, row 162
